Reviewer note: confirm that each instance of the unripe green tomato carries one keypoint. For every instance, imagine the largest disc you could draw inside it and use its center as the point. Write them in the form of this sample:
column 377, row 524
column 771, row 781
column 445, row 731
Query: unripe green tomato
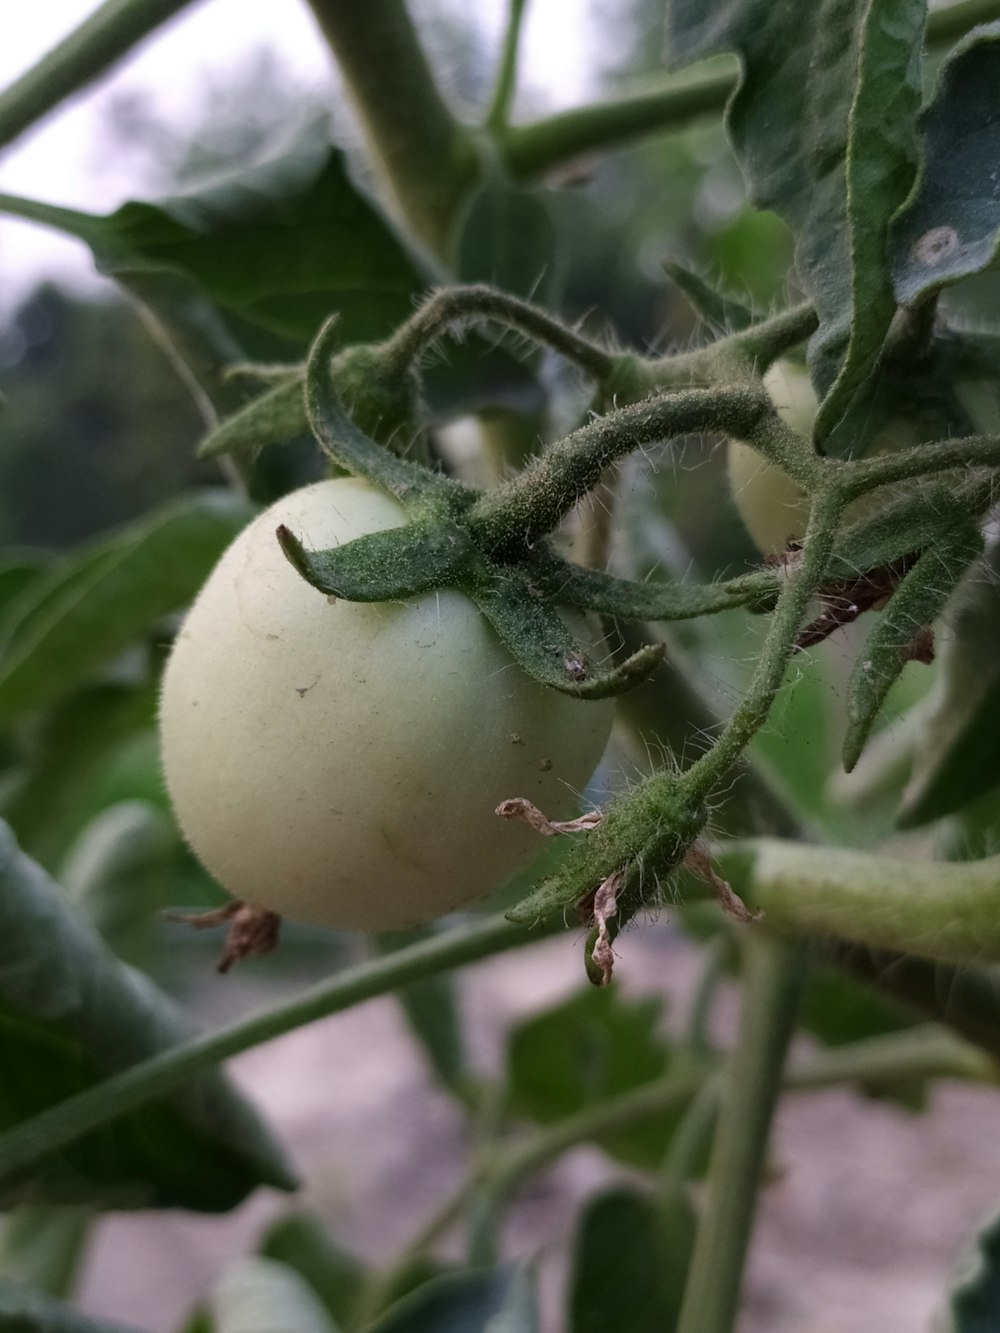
column 773, row 508
column 340, row 763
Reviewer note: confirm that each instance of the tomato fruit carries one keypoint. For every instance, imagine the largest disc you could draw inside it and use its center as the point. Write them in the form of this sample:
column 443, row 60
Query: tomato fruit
column 772, row 506
column 340, row 763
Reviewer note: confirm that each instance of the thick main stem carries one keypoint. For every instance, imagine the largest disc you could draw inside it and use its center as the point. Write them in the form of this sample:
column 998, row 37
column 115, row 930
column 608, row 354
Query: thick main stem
column 773, row 982
column 426, row 156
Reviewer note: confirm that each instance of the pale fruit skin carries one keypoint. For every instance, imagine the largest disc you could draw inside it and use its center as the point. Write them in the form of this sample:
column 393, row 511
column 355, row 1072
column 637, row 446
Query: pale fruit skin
column 773, row 508
column 340, row 763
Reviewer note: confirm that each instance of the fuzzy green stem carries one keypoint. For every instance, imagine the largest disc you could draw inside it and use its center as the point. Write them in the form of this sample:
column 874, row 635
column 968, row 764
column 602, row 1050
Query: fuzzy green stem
column 68, row 1121
column 866, row 474
column 86, row 53
column 520, row 512
column 426, row 157
column 506, row 81
column 773, row 983
column 478, row 303
column 949, row 911
column 706, row 774
column 704, row 89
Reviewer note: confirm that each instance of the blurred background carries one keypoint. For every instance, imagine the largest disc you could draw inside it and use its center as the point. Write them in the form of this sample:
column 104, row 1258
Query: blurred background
column 98, row 426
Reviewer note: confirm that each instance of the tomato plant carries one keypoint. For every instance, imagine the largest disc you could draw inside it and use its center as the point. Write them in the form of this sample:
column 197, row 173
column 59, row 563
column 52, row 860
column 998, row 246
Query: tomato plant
column 462, row 500
column 358, row 752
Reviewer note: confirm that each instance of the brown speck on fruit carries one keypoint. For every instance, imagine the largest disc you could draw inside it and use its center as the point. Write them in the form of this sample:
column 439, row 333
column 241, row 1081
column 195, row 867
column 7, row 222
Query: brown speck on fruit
column 303, row 690
column 515, row 739
column 252, row 930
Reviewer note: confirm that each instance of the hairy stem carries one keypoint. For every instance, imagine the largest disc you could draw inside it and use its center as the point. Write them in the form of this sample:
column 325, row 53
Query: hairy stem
column 923, row 460
column 426, row 157
column 532, row 504
column 478, row 303
column 773, row 982
column 793, row 603
column 948, row 911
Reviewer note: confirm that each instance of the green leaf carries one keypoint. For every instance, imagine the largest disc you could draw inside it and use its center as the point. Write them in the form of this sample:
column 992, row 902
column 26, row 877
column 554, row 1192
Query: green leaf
column 264, row 1296
column 87, row 608
column 823, row 123
column 70, row 1014
column 25, row 1311
column 117, row 872
column 497, row 1300
column 432, row 1009
column 950, row 227
column 505, row 237
column 97, row 746
column 384, row 566
column 957, row 755
column 975, row 1297
column 43, row 1247
column 273, row 248
column 334, row 1274
column 585, row 1051
column 629, row 1263
column 917, row 601
column 542, row 643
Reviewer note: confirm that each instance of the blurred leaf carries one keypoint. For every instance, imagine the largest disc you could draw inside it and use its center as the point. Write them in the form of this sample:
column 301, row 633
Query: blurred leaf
column 975, row 1297
column 950, row 227
column 70, row 1013
column 273, row 247
column 25, row 1311
column 258, row 1295
column 500, row 1300
column 838, row 1011
column 917, row 601
column 200, row 1322
column 117, row 872
column 505, row 237
column 584, row 1051
column 16, row 572
column 75, row 764
column 957, row 754
column 91, row 605
column 43, row 1246
column 823, row 123
column 335, row 1275
column 629, row 1263
column 431, row 1008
